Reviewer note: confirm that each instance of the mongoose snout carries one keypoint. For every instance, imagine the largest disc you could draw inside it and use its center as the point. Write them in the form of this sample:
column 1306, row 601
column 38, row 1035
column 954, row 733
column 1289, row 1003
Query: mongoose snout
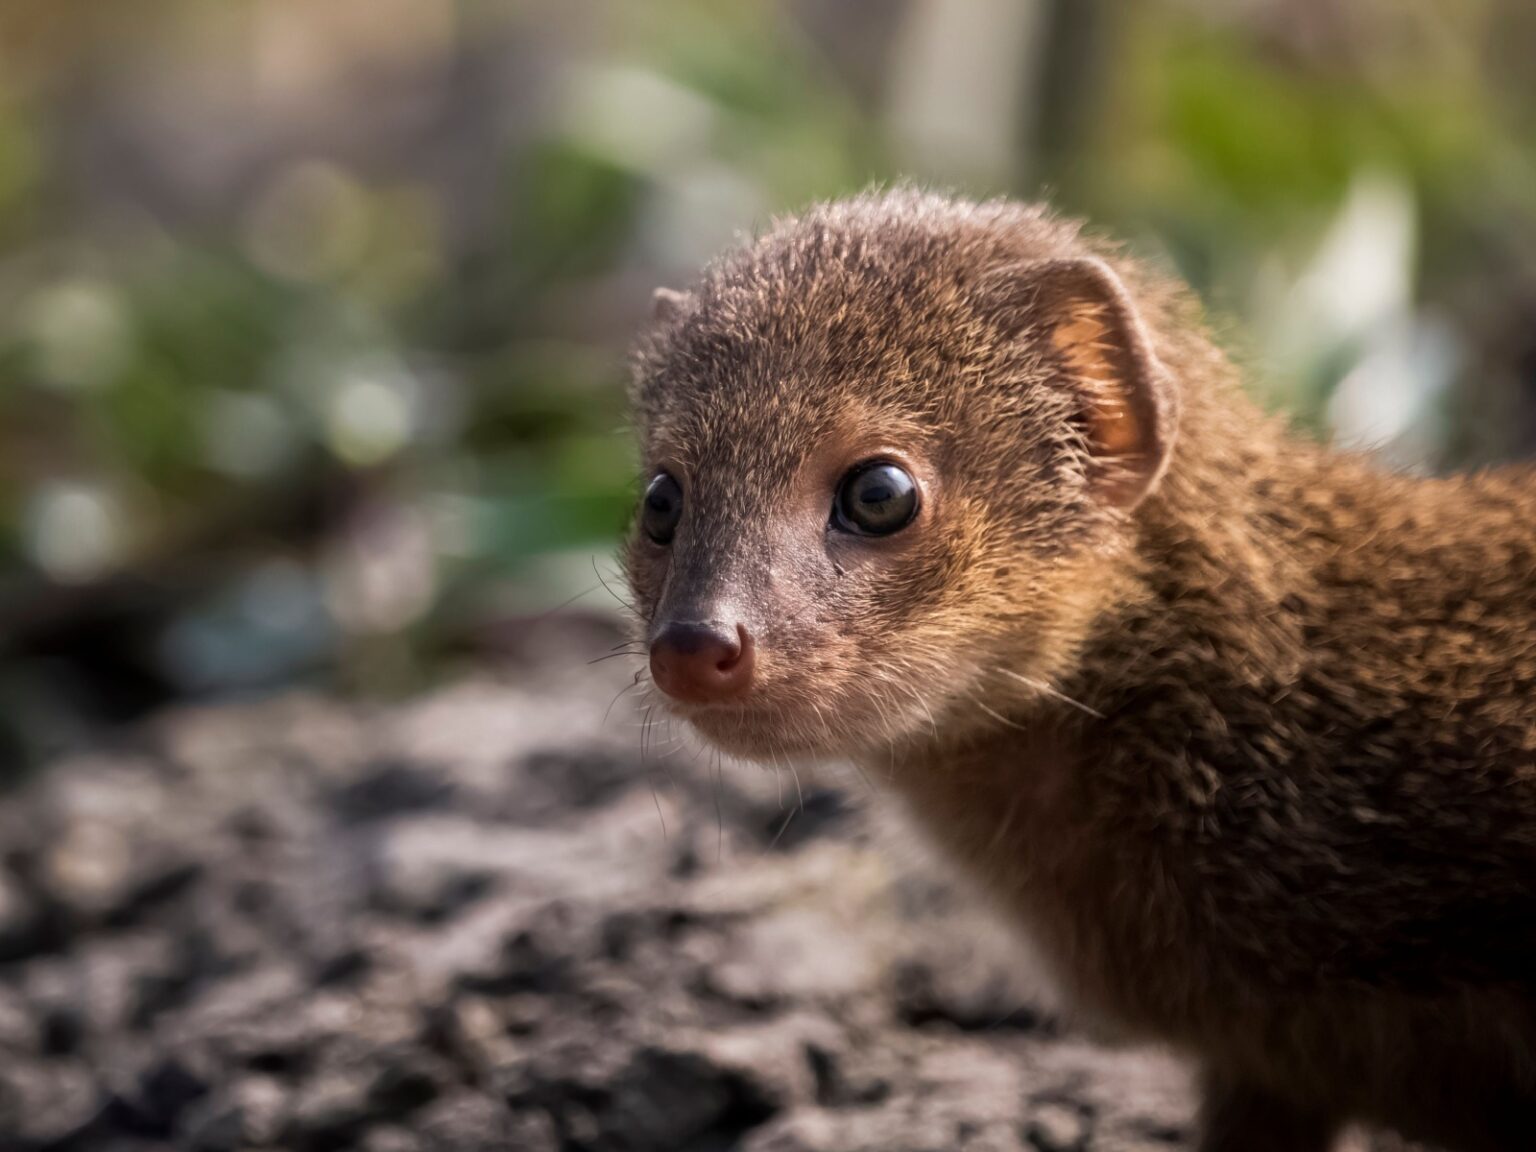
column 697, row 656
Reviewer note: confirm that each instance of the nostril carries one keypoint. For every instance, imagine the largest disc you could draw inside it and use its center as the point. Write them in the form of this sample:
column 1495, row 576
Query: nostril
column 737, row 654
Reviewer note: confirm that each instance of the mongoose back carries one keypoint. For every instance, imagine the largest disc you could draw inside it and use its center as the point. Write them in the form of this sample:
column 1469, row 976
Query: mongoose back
column 1239, row 729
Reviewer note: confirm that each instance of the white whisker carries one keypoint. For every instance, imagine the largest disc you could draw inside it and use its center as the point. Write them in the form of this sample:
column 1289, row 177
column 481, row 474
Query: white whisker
column 998, row 716
column 1046, row 689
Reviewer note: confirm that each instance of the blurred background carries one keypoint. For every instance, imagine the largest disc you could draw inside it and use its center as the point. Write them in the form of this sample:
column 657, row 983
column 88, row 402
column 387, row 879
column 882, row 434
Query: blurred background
column 313, row 315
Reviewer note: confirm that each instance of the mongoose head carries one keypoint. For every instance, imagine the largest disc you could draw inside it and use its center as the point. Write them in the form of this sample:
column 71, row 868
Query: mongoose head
column 892, row 453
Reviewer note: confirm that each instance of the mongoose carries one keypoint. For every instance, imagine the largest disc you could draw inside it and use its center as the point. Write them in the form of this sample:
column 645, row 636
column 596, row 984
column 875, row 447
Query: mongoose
column 1239, row 729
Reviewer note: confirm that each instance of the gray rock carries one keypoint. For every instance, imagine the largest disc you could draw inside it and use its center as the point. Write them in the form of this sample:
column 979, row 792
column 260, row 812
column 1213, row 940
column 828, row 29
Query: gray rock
column 1057, row 1128
column 47, row 1102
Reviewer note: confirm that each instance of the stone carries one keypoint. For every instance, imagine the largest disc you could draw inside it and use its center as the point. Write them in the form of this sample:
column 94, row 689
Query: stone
column 1057, row 1128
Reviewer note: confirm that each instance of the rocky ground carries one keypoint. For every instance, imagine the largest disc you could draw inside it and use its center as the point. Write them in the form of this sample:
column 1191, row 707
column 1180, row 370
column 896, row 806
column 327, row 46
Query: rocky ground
column 482, row 921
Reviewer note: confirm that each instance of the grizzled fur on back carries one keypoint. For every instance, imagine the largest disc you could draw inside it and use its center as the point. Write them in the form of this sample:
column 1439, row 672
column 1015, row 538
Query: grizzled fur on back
column 1251, row 755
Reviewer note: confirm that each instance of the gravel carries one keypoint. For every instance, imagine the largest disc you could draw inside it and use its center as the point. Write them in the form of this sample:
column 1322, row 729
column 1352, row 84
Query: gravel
column 479, row 920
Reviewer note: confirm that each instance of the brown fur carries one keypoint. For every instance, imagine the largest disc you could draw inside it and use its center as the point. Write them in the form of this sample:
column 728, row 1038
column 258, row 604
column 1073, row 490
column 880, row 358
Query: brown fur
column 1248, row 745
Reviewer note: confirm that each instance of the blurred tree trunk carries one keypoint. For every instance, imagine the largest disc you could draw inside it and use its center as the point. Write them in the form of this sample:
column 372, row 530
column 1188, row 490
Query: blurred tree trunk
column 1059, row 114
column 963, row 76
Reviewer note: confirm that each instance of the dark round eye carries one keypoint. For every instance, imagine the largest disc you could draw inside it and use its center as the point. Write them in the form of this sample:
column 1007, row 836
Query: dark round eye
column 875, row 499
column 662, row 508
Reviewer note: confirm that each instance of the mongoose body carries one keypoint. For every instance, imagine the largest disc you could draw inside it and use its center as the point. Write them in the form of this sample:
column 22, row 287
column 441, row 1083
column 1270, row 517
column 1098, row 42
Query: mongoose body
column 1240, row 730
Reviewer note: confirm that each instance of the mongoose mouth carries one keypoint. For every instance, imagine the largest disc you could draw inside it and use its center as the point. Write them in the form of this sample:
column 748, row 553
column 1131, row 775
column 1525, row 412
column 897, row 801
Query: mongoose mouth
column 773, row 721
column 755, row 733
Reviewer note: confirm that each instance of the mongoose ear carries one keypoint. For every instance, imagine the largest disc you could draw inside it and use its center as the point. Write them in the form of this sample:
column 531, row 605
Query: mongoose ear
column 667, row 304
column 1131, row 407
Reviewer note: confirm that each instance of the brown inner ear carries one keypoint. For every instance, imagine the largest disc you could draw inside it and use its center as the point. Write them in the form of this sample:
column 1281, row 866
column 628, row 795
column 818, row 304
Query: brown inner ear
column 1102, row 349
column 1086, row 343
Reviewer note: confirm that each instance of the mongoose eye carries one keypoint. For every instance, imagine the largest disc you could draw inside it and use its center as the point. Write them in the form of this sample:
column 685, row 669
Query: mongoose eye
column 662, row 508
column 876, row 498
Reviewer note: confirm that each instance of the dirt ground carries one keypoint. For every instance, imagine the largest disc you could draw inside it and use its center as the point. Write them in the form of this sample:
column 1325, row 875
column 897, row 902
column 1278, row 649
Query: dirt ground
column 481, row 920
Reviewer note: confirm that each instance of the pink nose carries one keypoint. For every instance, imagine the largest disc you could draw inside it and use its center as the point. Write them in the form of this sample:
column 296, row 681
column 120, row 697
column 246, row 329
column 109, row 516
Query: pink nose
column 700, row 664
